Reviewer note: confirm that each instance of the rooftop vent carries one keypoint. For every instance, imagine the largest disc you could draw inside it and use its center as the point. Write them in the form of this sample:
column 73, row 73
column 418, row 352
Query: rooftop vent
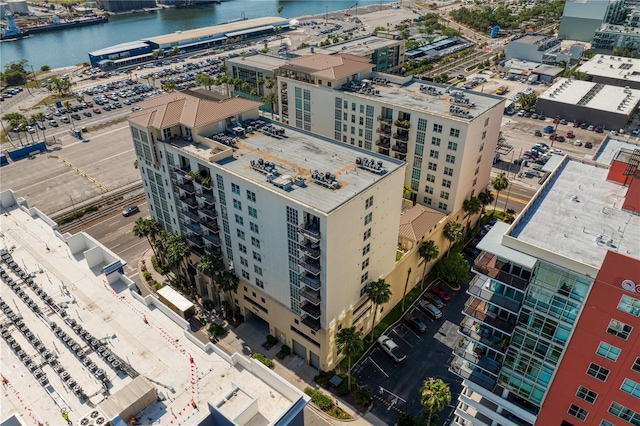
column 371, row 165
column 264, row 167
column 327, row 179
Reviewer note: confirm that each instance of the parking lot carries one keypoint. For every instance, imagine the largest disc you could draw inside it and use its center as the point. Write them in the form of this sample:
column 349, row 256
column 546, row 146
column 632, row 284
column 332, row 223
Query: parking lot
column 396, row 386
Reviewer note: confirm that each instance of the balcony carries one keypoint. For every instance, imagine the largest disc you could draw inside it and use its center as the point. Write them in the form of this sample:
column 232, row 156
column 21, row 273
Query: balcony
column 311, row 249
column 400, row 148
column 386, row 131
column 195, row 241
column 403, row 124
column 476, row 309
column 385, row 120
column 401, row 156
column 401, row 137
column 310, row 322
column 311, row 281
column 486, row 264
column 191, row 215
column 187, row 186
column 483, row 335
column 312, row 296
column 189, row 200
column 479, row 287
column 312, row 310
column 210, row 225
column 182, row 171
column 215, row 251
column 194, row 228
column 475, row 354
column 207, row 197
column 213, row 240
column 310, row 231
column 310, row 266
column 384, row 142
column 208, row 212
column 463, row 368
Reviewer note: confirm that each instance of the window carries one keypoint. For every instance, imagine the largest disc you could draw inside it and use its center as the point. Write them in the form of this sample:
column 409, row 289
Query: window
column 367, row 234
column 619, row 329
column 251, row 196
column 364, row 277
column 631, row 387
column 239, row 220
column 453, row 146
column 366, row 249
column 245, row 275
column 448, row 171
column 484, row 135
column 427, row 201
column 369, row 202
column 433, row 153
column 240, row 234
column 435, row 141
column 365, row 264
column 431, row 178
column 442, row 206
column 437, row 128
column 606, row 423
column 428, row 189
column 257, row 269
column 242, row 248
column 253, row 212
column 353, row 119
column 368, row 218
column 257, row 257
column 629, row 305
column 259, row 283
column 586, row 394
column 451, row 159
column 608, row 351
column 253, row 227
column 432, row 166
column 486, row 122
column 361, row 122
column 636, row 365
column 598, row 372
column 625, row 413
column 454, row 133
column 578, row 412
column 244, row 262
column 255, row 242
column 444, row 195
column 446, row 183
column 237, row 204
column 235, row 188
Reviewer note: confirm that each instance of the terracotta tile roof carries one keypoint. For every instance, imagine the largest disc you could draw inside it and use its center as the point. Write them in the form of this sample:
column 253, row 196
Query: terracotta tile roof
column 416, row 222
column 190, row 108
column 330, row 66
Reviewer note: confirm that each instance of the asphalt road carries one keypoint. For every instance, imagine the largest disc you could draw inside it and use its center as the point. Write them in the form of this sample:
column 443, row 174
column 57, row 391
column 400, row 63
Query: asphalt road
column 396, row 387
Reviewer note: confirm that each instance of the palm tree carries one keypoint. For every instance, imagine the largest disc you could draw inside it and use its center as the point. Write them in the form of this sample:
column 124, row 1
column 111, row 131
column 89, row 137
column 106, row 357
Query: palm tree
column 229, row 282
column 177, row 252
column 169, row 86
column 486, row 198
column 499, row 183
column 407, row 191
column 453, row 232
column 14, row 119
column 471, row 207
column 434, row 396
column 428, row 251
column 379, row 292
column 269, row 83
column 147, row 228
column 270, row 99
column 349, row 342
column 280, row 9
column 204, row 80
column 211, row 267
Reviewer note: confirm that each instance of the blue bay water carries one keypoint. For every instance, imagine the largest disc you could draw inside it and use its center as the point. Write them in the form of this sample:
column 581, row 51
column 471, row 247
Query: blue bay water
column 70, row 46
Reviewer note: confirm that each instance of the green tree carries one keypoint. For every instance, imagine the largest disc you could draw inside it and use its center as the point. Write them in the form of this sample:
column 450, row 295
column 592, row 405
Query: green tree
column 271, row 98
column 15, row 73
column 453, row 232
column 60, row 85
column 379, row 292
column 205, row 80
column 147, row 228
column 210, row 266
column 45, row 68
column 471, row 207
column 280, row 9
column 269, row 83
column 428, row 251
column 486, row 198
column 453, row 269
column 376, row 29
column 435, row 395
column 528, row 101
column 228, row 282
column 499, row 183
column 169, row 86
column 177, row 252
column 407, row 191
column 349, row 343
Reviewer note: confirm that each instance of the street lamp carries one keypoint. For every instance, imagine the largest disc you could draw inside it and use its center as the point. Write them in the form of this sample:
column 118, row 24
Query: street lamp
column 404, row 295
column 72, row 203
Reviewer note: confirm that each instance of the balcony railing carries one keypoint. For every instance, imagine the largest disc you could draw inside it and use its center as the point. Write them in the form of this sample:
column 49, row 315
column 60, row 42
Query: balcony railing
column 215, row 251
column 384, row 131
column 195, row 240
column 312, row 310
column 182, row 171
column 194, row 228
column 385, row 120
column 401, row 137
column 210, row 225
column 310, row 250
column 213, row 239
column 187, row 186
column 401, row 156
column 207, row 198
column 404, row 124
column 486, row 264
column 384, row 142
column 467, row 370
column 311, row 295
column 475, row 356
column 479, row 287
column 209, row 212
column 310, row 231
column 189, row 200
column 311, row 281
column 191, row 215
column 483, row 335
column 312, row 267
column 475, row 308
column 400, row 148
column 310, row 322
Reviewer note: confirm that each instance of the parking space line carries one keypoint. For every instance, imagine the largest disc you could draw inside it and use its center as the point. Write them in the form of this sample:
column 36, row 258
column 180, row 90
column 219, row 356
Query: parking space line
column 405, row 340
column 380, row 368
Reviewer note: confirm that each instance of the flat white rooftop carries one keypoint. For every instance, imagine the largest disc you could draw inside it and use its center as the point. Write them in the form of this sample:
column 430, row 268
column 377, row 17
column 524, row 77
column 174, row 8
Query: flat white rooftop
column 360, row 46
column 259, row 60
column 611, row 147
column 593, row 95
column 577, row 214
column 613, row 67
column 182, row 368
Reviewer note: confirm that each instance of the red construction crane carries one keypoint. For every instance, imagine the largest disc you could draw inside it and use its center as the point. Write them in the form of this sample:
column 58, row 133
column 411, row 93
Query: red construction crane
column 348, row 10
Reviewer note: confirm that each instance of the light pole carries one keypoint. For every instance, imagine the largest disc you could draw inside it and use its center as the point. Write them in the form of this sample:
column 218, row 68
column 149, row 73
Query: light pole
column 72, row 203
column 404, row 295
column 326, row 15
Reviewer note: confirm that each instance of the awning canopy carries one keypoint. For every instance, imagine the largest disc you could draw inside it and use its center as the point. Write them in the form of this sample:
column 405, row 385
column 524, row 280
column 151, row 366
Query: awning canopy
column 250, row 30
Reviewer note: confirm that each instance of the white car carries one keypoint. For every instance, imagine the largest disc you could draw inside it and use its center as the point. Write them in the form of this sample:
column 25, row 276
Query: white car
column 391, row 348
column 557, row 151
column 577, row 142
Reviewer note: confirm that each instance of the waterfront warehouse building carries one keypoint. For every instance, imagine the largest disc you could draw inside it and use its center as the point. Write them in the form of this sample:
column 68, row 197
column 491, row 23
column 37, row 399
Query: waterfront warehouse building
column 613, row 70
column 550, row 334
column 136, row 52
column 304, row 221
column 446, row 136
column 126, row 5
column 584, row 101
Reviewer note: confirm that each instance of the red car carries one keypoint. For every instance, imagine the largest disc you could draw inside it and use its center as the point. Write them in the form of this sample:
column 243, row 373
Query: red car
column 560, row 138
column 440, row 292
column 570, row 135
column 576, row 124
column 97, row 111
column 89, row 103
column 552, row 136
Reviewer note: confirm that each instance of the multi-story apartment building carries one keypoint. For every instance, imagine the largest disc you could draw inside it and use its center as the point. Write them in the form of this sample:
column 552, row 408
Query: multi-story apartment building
column 550, row 330
column 447, row 137
column 305, row 222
